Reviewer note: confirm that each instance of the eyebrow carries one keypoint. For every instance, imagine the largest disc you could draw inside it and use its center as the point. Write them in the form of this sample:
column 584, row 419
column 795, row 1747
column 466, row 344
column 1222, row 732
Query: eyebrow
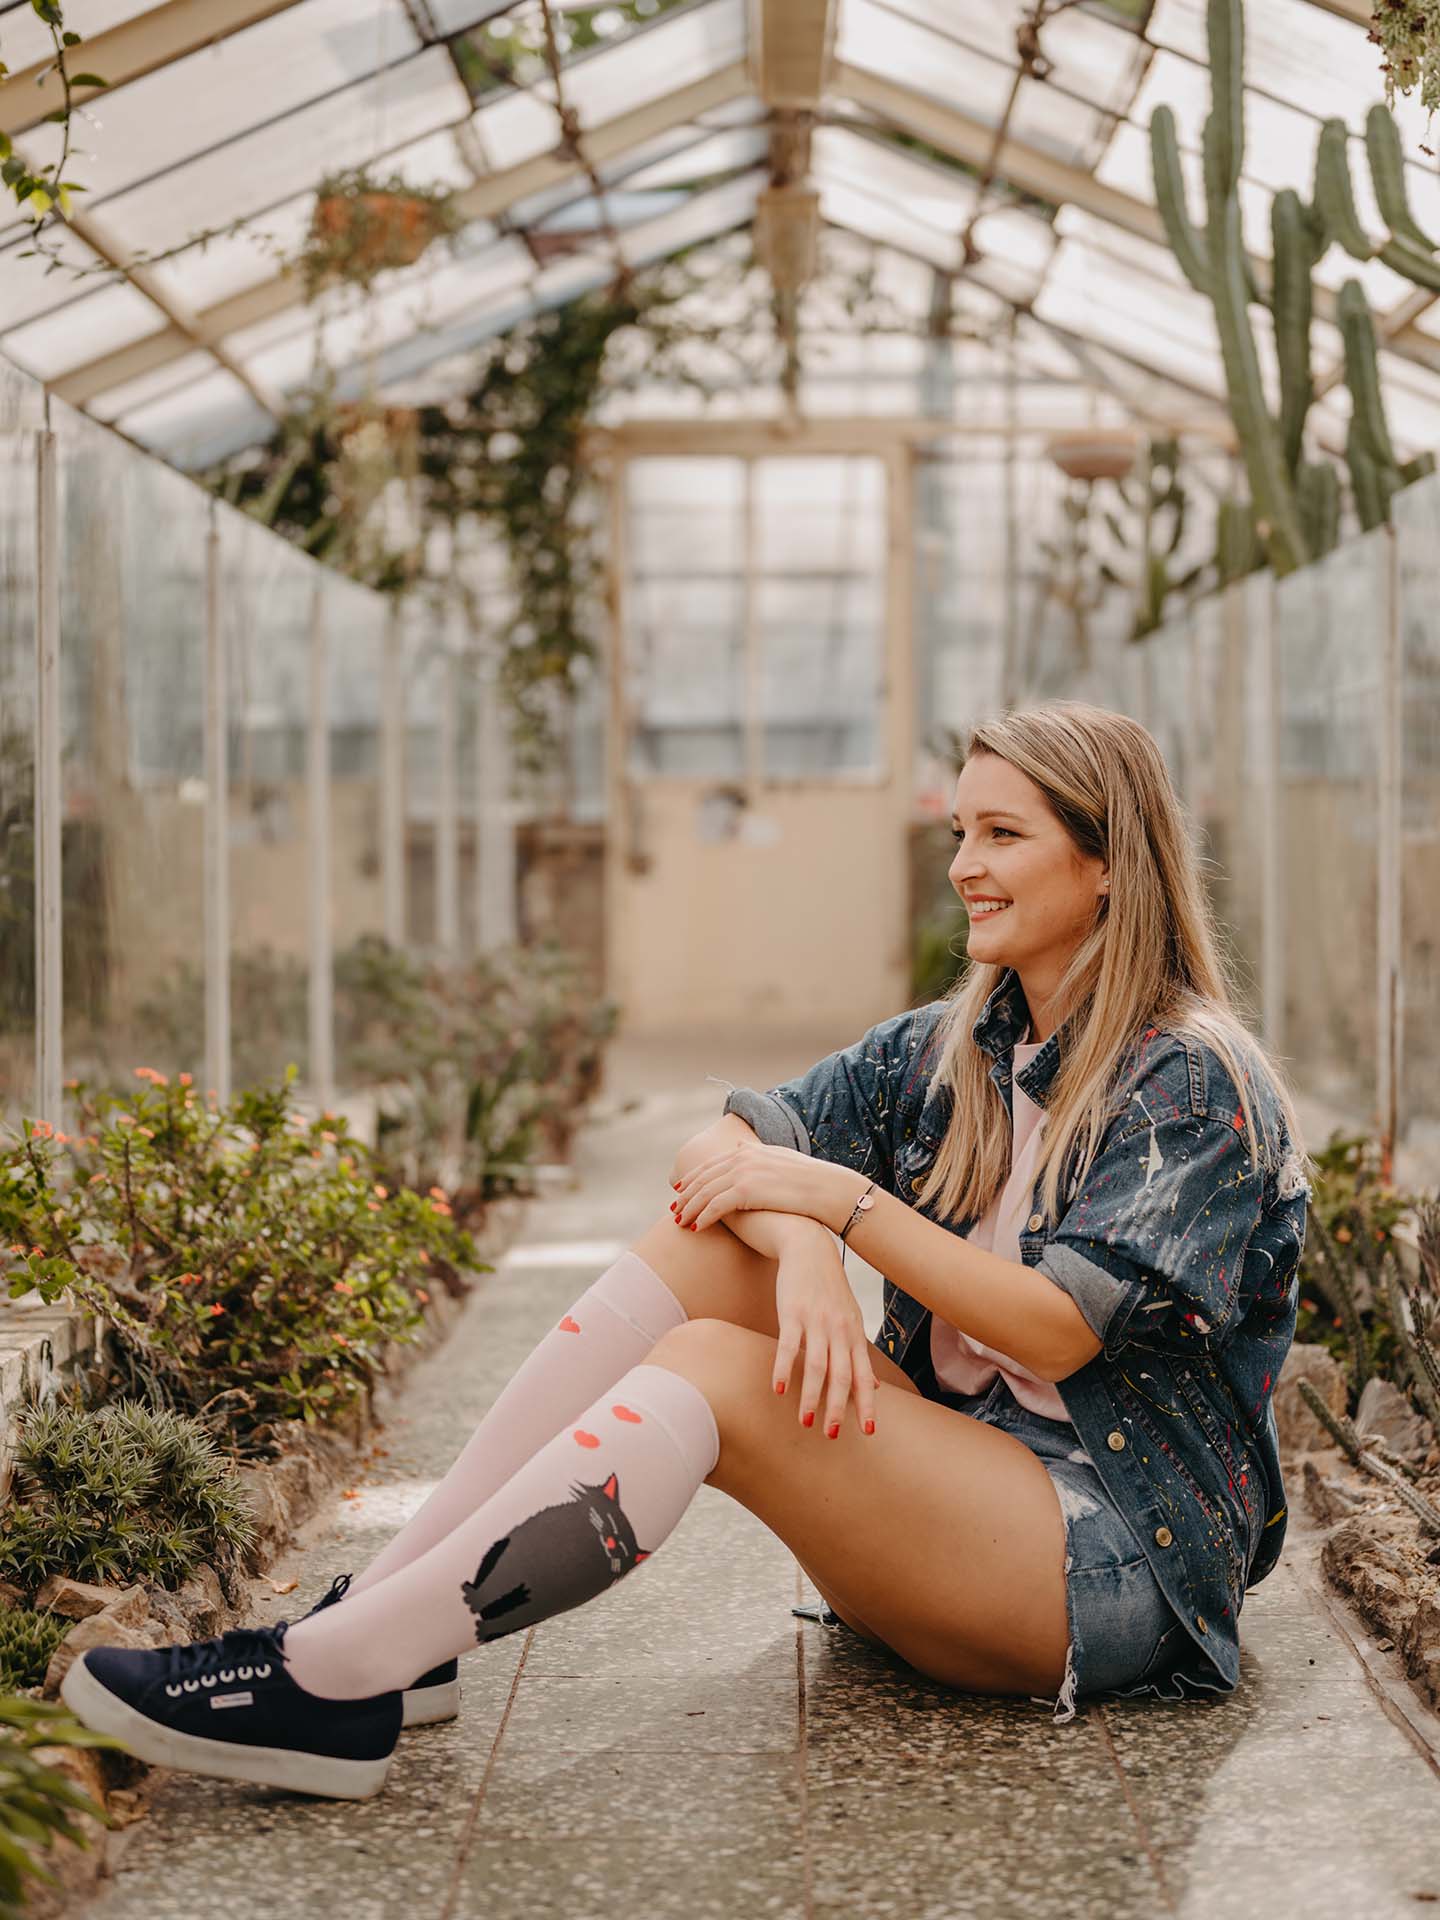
column 990, row 813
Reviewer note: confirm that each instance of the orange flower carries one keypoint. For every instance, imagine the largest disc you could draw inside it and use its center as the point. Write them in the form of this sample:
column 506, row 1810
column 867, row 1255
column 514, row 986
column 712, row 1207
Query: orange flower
column 217, row 1308
column 381, row 1193
column 422, row 1296
column 341, row 1341
column 43, row 1130
column 124, row 1119
column 343, row 1286
column 96, row 1180
column 149, row 1073
column 148, row 1133
column 63, row 1138
column 187, row 1080
column 331, row 1137
column 440, row 1206
column 438, row 1193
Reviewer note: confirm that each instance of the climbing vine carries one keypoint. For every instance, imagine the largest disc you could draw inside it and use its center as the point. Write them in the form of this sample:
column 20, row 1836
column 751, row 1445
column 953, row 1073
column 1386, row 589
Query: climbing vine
column 43, row 190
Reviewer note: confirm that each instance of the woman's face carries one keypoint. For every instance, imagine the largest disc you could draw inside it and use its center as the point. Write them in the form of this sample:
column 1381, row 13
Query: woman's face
column 1012, row 850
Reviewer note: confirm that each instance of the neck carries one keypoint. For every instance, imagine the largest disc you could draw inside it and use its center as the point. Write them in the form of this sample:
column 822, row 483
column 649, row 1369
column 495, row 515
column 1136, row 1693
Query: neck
column 1039, row 998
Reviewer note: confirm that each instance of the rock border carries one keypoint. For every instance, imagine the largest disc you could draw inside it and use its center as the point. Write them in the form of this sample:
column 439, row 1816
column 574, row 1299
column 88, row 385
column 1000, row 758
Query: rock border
column 1374, row 1551
column 284, row 1493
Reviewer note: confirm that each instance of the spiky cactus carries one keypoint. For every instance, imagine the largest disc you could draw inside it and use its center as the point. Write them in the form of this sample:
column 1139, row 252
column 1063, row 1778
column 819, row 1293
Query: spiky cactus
column 1214, row 263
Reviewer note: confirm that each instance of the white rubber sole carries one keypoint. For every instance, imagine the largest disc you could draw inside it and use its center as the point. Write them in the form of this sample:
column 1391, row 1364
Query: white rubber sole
column 424, row 1706
column 317, row 1773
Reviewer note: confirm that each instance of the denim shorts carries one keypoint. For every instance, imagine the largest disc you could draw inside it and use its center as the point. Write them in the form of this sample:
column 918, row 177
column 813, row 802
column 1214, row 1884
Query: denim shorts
column 1125, row 1637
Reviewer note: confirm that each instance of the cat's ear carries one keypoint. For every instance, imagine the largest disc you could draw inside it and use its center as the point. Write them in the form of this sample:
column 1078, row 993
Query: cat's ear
column 611, row 1488
column 640, row 1555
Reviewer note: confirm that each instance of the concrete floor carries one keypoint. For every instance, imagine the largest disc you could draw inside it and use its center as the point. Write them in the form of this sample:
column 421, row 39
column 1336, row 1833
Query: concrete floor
column 690, row 1750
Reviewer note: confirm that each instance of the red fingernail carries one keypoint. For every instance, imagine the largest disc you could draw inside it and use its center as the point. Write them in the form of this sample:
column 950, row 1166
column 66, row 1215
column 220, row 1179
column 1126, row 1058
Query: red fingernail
column 869, row 1426
column 676, row 1185
column 694, row 1226
column 831, row 1432
column 807, row 1420
column 779, row 1386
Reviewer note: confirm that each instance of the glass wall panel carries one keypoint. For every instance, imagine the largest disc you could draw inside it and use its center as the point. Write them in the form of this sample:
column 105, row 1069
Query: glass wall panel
column 426, row 690
column 132, row 615
column 20, row 413
column 685, row 616
column 1168, row 716
column 355, row 621
column 1329, row 639
column 819, row 614
column 1417, row 526
column 267, row 602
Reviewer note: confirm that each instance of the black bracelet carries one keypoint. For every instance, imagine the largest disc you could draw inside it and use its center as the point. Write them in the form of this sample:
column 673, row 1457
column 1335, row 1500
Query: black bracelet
column 862, row 1205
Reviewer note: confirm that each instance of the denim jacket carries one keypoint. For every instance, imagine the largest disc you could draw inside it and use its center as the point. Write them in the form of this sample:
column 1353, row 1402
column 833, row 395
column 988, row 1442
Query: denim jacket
column 1182, row 1260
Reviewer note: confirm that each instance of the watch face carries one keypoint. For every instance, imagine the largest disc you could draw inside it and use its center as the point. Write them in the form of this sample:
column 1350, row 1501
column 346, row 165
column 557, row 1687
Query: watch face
column 865, row 1202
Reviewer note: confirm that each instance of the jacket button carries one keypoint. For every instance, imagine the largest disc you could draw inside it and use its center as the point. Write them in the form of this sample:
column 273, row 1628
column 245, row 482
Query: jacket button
column 1117, row 1441
column 1037, row 1220
column 1200, row 1622
column 917, row 1183
column 1163, row 1536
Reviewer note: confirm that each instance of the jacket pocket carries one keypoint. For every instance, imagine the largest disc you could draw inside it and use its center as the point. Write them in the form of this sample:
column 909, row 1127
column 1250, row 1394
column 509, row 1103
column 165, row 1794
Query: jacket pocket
column 1237, row 1457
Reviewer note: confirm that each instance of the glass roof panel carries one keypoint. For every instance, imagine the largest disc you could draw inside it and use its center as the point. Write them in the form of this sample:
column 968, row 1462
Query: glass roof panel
column 82, row 331
column 28, row 287
column 262, row 168
column 902, row 50
column 201, row 423
column 723, row 152
column 927, row 193
column 160, row 385
column 1052, row 122
column 601, row 85
column 1016, row 248
column 988, row 29
column 243, row 81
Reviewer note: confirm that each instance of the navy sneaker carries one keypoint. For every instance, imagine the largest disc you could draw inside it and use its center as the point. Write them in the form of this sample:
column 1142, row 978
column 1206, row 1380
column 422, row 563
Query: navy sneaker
column 434, row 1696
column 228, row 1707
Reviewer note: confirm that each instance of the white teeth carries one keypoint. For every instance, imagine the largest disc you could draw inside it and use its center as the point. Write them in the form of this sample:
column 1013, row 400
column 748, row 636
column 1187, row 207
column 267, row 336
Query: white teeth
column 977, row 910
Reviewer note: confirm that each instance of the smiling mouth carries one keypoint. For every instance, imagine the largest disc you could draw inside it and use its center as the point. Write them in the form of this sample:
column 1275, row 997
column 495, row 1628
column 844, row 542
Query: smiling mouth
column 982, row 911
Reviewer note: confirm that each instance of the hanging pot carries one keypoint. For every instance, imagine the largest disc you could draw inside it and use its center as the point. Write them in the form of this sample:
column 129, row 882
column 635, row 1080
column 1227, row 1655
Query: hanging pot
column 1095, row 453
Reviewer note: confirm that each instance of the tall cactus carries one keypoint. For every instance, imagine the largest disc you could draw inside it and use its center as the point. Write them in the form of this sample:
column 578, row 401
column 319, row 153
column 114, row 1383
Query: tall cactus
column 1297, row 504
column 1214, row 262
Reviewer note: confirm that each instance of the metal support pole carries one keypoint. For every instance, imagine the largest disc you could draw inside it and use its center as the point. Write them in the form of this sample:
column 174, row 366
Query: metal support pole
column 1010, row 687
column 495, row 881
column 754, row 736
column 217, row 827
column 1270, row 779
column 392, row 777
column 447, row 817
column 49, row 977
column 1389, row 826
column 322, row 958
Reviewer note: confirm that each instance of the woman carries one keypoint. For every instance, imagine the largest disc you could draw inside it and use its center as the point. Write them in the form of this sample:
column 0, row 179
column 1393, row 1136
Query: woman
column 1079, row 1176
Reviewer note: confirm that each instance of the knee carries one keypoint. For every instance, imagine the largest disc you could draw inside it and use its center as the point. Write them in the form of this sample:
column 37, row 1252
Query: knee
column 693, row 1340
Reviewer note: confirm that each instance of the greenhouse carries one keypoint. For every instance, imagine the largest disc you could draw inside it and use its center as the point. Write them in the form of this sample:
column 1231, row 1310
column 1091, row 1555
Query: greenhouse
column 823, row 607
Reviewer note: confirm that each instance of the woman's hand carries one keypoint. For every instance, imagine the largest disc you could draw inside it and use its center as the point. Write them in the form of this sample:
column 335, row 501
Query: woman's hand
column 817, row 1310
column 757, row 1178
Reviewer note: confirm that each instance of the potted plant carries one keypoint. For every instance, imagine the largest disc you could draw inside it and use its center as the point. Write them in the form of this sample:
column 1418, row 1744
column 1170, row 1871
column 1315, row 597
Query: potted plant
column 362, row 225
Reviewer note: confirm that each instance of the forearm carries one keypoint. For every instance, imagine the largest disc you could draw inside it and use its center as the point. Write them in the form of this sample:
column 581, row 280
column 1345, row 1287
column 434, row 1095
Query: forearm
column 1015, row 1309
column 767, row 1232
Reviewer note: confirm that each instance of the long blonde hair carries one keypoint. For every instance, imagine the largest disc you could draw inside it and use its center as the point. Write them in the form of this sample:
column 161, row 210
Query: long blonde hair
column 1152, row 958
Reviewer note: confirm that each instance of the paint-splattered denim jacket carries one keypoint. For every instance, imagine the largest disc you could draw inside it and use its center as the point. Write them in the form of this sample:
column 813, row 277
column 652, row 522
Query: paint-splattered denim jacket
column 1182, row 1260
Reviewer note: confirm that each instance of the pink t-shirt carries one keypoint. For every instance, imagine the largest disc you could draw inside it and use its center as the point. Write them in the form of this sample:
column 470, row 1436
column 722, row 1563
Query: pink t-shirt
column 965, row 1365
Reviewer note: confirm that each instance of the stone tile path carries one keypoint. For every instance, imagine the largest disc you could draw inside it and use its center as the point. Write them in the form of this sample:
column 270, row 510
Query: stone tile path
column 687, row 1750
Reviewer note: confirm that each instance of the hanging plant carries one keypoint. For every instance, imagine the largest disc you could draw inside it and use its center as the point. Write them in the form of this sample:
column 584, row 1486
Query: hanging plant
column 363, row 225
column 43, row 192
column 1407, row 32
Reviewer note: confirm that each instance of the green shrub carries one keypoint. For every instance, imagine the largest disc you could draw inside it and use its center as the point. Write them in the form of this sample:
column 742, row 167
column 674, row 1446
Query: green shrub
column 119, row 1494
column 27, row 1640
column 38, row 1805
column 250, row 1265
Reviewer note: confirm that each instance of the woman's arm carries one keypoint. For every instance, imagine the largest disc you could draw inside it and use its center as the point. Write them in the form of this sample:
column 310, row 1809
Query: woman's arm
column 1015, row 1309
column 762, row 1230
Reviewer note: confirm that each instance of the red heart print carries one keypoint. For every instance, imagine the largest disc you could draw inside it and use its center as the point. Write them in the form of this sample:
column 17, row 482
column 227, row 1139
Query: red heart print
column 567, row 1325
column 586, row 1439
column 624, row 1413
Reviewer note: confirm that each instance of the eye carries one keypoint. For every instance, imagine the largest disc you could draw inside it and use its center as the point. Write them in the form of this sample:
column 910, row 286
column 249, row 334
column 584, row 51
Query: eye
column 958, row 833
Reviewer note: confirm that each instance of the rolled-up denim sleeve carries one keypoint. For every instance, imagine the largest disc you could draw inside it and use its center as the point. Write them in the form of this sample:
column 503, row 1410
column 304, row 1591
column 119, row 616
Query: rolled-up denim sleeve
column 1152, row 1249
column 844, row 1107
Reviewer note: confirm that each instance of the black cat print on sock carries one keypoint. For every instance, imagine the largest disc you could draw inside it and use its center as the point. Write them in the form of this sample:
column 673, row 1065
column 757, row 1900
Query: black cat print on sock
column 560, row 1556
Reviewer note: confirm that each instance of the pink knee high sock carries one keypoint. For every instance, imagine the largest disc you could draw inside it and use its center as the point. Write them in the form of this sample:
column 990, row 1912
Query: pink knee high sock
column 612, row 1326
column 595, row 1501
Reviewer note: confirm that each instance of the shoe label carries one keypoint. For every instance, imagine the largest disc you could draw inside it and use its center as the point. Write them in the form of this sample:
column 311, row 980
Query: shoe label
column 232, row 1700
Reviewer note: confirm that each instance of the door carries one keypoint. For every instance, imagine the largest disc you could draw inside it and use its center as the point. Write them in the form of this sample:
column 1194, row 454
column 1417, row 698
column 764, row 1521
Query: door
column 760, row 742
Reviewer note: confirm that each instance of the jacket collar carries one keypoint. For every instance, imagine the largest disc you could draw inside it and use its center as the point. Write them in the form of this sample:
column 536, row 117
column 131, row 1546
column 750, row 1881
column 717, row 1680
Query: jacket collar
column 1004, row 1018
